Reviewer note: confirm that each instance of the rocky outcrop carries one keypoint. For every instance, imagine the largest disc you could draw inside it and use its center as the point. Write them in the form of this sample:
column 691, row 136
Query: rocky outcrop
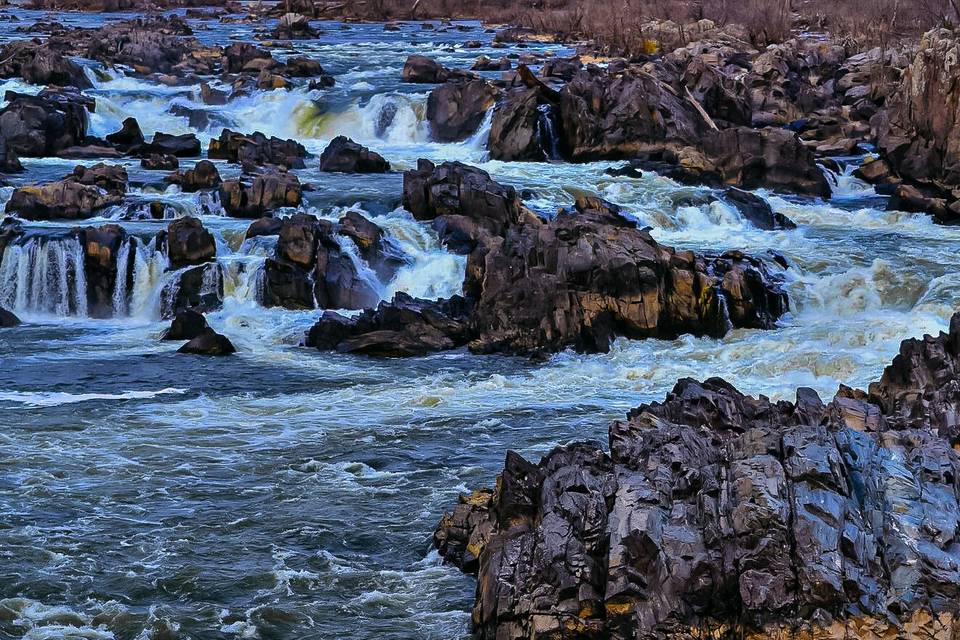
column 401, row 328
column 102, row 268
column 920, row 134
column 716, row 514
column 311, row 269
column 253, row 198
column 186, row 325
column 515, row 133
column 42, row 125
column 79, row 195
column 189, row 243
column 203, row 175
column 9, row 162
column 421, row 69
column 180, row 146
column 343, row 155
column 209, row 343
column 293, row 26
column 129, row 137
column 456, row 109
column 256, row 149
column 38, row 64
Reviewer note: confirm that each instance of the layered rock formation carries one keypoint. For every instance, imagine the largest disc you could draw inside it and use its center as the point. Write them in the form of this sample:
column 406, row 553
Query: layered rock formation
column 715, row 514
column 579, row 280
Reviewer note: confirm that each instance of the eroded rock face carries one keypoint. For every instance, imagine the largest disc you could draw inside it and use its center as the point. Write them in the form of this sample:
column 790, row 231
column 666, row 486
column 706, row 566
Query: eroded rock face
column 203, row 175
column 189, row 243
column 38, row 64
column 456, row 109
column 258, row 196
column 101, row 266
column 715, row 513
column 515, row 131
column 42, row 125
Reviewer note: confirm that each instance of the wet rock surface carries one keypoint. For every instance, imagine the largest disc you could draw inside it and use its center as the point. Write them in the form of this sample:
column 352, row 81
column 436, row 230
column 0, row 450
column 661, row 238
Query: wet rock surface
column 714, row 512
column 256, row 150
column 186, row 325
column 256, row 196
column 209, row 343
column 456, row 109
column 343, row 155
column 79, row 195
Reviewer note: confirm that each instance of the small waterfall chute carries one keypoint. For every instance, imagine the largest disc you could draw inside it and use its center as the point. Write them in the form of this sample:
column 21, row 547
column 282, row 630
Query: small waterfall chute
column 121, row 300
column 44, row 275
column 547, row 129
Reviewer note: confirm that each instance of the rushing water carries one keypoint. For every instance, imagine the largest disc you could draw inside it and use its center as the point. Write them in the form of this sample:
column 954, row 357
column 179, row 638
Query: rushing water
column 286, row 493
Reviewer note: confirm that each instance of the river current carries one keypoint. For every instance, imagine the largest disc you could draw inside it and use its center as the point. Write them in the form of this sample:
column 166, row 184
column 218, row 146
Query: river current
column 287, row 493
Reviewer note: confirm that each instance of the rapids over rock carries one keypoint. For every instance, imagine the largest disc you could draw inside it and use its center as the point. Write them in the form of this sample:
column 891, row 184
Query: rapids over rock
column 300, row 197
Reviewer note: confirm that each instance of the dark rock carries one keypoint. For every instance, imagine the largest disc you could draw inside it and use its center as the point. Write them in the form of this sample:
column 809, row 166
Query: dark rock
column 240, row 54
column 757, row 210
column 515, row 133
column 400, row 328
column 189, row 243
column 157, row 162
column 199, row 288
column 716, row 510
column 293, row 26
column 8, row 319
column 38, row 64
column 203, row 175
column 421, row 69
column 375, row 247
column 129, row 136
column 186, row 325
column 181, row 146
column 101, row 267
column 562, row 68
column 256, row 149
column 41, row 125
column 343, row 155
column 244, row 198
column 456, row 109
column 483, row 63
column 264, row 227
column 79, row 195
column 9, row 162
column 212, row 96
column 209, row 343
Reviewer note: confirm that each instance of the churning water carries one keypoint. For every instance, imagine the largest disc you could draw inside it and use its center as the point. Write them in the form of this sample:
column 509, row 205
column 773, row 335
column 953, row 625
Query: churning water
column 286, row 493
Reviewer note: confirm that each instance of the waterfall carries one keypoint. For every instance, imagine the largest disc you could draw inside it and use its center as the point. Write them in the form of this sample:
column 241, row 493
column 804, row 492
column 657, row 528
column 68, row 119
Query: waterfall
column 482, row 135
column 244, row 280
column 364, row 273
column 547, row 129
column 149, row 265
column 120, row 301
column 44, row 275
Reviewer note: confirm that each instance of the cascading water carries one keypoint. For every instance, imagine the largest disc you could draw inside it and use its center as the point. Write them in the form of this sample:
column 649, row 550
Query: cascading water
column 150, row 262
column 547, row 130
column 45, row 276
column 121, row 301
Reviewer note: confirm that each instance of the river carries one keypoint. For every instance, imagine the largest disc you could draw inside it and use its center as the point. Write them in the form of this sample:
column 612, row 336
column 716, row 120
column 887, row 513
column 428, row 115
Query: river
column 287, row 493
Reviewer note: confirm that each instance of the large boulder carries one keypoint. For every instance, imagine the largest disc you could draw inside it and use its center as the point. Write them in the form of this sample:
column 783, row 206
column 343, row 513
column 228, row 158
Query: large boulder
column 189, row 243
column 209, row 343
column 456, row 109
column 203, row 175
column 421, row 69
column 102, row 267
column 402, row 327
column 515, row 132
column 264, row 193
column 38, row 64
column 42, row 125
column 293, row 26
column 343, row 155
column 380, row 252
column 130, row 136
column 716, row 510
column 79, row 195
column 256, row 149
column 186, row 325
column 185, row 145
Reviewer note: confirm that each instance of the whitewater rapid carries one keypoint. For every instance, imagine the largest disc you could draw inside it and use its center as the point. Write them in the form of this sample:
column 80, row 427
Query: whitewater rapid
column 289, row 493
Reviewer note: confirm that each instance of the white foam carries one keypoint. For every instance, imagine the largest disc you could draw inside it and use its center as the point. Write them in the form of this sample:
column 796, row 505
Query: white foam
column 57, row 398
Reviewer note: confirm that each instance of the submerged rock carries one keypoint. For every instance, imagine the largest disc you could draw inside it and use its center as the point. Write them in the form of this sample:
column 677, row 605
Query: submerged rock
column 343, row 155
column 186, row 325
column 209, row 343
column 715, row 510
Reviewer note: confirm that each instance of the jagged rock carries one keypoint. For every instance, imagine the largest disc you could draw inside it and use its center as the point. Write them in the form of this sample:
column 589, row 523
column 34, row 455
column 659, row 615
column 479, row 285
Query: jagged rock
column 42, row 125
column 128, row 137
column 209, row 343
column 38, row 64
column 723, row 96
column 256, row 149
column 268, row 191
column 402, row 327
column 875, row 171
column 343, row 155
column 186, row 325
column 483, row 63
column 757, row 210
column 293, row 26
column 562, row 68
column 421, row 69
column 101, row 268
column 515, row 130
column 264, row 227
column 718, row 511
column 189, row 243
column 211, row 96
column 456, row 109
column 79, row 195
column 240, row 54
column 8, row 319
column 310, row 269
column 158, row 162
column 203, row 175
